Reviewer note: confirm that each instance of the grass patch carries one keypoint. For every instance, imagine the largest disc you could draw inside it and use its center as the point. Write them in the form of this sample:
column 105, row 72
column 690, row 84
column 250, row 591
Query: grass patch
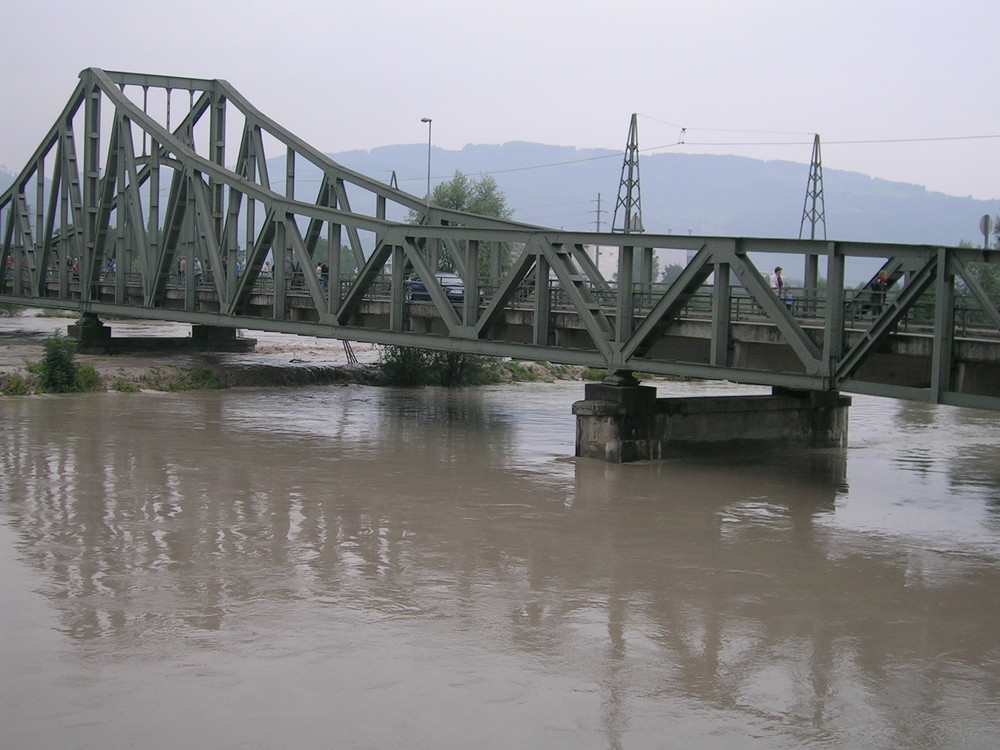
column 125, row 386
column 12, row 384
column 522, row 371
column 196, row 379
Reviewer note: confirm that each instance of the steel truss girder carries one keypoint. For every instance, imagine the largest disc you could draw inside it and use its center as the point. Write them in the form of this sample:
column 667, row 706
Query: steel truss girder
column 112, row 207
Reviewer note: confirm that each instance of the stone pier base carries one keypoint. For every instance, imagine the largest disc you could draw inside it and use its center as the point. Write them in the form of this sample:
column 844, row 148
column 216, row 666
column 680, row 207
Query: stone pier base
column 620, row 424
column 93, row 337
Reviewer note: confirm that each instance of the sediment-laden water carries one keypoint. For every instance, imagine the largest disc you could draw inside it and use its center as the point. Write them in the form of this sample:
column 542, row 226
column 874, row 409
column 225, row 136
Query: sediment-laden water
column 352, row 567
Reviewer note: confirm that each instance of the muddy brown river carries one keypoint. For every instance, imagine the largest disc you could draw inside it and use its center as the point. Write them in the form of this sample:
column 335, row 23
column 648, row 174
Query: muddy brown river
column 352, row 567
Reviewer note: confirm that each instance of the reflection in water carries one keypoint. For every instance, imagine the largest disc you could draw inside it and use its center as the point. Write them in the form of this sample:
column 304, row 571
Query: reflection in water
column 427, row 568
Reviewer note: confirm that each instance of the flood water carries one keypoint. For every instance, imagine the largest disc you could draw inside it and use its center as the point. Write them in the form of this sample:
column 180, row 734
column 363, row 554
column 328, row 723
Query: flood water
column 351, row 567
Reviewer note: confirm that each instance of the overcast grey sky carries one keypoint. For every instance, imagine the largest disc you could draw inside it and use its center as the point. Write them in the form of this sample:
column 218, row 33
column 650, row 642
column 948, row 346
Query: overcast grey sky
column 350, row 74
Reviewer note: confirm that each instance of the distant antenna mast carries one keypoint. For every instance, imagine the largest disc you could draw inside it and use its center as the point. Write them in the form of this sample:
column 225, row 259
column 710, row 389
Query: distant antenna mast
column 813, row 210
column 629, row 198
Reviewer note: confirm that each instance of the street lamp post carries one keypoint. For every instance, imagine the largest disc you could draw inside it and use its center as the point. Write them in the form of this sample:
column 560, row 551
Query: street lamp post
column 428, row 120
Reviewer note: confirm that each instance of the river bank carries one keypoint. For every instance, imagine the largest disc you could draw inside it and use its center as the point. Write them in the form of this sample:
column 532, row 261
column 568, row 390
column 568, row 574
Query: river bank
column 277, row 360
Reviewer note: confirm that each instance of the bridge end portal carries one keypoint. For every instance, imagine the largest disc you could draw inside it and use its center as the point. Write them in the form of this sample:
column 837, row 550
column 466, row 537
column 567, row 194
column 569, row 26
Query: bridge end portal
column 626, row 423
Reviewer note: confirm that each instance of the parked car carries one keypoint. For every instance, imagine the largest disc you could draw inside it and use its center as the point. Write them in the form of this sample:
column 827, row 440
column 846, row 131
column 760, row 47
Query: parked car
column 452, row 285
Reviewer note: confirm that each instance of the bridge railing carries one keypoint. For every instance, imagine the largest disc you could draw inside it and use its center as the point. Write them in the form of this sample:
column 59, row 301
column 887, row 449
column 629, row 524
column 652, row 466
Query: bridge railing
column 970, row 318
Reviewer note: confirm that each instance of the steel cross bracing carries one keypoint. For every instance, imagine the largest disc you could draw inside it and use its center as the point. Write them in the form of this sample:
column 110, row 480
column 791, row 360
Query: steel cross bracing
column 158, row 187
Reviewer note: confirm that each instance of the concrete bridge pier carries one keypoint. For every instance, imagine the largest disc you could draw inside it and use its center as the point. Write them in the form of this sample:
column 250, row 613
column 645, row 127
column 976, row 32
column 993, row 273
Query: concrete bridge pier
column 621, row 423
column 94, row 337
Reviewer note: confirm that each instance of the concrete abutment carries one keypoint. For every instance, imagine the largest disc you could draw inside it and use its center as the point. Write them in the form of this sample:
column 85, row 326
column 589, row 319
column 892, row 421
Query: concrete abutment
column 94, row 337
column 625, row 423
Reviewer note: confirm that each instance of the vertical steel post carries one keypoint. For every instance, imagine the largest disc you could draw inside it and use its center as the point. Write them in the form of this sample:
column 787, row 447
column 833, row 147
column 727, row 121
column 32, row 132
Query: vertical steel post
column 721, row 317
column 944, row 327
column 430, row 123
column 833, row 337
column 625, row 307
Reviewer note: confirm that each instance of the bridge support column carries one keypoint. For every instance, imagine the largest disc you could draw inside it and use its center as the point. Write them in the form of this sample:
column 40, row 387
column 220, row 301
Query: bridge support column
column 624, row 423
column 209, row 336
column 89, row 331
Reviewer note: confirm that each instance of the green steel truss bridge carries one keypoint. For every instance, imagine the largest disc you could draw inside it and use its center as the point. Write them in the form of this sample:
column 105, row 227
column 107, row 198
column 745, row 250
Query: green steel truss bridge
column 141, row 175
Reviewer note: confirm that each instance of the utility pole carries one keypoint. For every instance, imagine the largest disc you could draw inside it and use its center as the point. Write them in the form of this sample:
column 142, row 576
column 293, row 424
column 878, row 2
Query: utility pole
column 597, row 247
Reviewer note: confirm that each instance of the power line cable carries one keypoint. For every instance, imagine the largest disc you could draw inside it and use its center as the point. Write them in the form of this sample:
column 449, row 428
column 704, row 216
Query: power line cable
column 682, row 142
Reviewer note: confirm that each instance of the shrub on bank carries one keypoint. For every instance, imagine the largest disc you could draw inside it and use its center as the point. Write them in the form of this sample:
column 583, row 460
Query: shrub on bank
column 406, row 366
column 88, row 380
column 59, row 372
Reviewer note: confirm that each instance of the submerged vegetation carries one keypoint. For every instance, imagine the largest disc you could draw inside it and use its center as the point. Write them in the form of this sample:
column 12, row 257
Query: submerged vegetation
column 405, row 366
column 59, row 373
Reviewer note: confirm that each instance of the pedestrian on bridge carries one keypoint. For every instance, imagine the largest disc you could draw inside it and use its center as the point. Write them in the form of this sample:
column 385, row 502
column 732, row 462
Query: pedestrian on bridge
column 780, row 290
column 879, row 288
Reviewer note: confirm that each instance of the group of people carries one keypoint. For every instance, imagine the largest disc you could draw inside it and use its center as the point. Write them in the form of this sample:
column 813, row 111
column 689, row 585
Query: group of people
column 878, row 287
column 198, row 266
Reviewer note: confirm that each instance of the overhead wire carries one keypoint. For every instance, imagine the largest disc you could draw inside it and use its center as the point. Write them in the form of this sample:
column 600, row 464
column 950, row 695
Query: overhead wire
column 683, row 142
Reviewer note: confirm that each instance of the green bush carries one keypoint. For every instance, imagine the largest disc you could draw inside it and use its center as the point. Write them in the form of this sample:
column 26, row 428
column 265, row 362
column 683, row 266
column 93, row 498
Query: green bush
column 406, row 366
column 59, row 370
column 7, row 310
column 125, row 386
column 88, row 380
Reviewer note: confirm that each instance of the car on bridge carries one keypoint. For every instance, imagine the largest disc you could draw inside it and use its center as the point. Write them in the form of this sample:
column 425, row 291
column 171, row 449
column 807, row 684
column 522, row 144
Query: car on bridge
column 451, row 283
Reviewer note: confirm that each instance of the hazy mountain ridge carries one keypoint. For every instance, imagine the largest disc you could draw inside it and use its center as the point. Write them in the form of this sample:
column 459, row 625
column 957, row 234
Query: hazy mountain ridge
column 706, row 194
column 558, row 186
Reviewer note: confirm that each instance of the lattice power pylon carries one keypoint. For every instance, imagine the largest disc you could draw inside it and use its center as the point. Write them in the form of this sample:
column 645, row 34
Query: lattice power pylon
column 813, row 210
column 629, row 204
